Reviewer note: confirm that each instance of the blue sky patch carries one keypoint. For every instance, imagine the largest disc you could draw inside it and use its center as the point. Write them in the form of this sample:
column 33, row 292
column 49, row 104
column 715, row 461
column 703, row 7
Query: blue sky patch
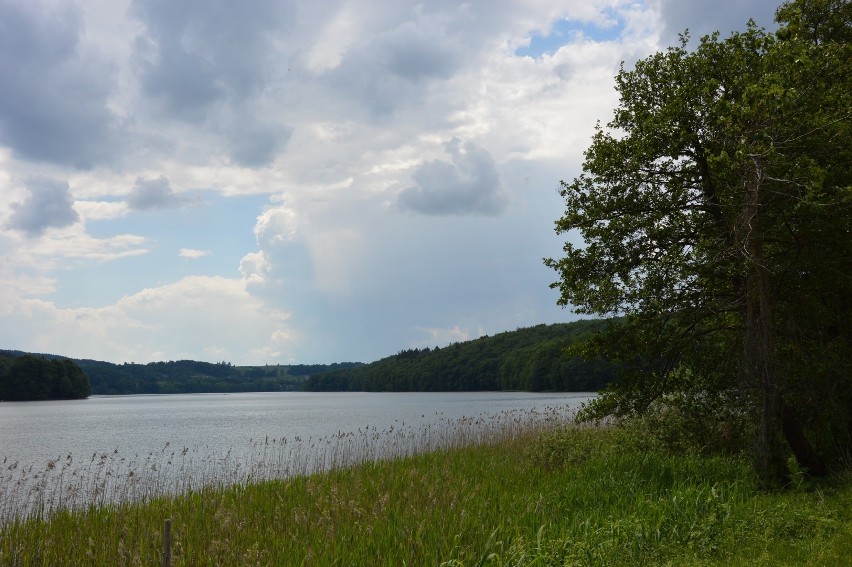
column 207, row 225
column 564, row 32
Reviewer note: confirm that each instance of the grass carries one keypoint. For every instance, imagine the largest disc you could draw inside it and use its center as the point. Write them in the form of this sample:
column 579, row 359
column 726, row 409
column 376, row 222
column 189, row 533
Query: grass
column 541, row 496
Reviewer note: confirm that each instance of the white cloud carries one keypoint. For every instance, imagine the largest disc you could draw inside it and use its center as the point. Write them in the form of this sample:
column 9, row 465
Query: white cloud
column 192, row 253
column 254, row 267
column 16, row 286
column 276, row 225
column 74, row 243
column 192, row 316
column 100, row 210
column 334, row 39
column 444, row 337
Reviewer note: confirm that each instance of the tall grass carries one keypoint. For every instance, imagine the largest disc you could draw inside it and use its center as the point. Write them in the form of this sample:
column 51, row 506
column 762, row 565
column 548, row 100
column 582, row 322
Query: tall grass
column 546, row 495
column 110, row 477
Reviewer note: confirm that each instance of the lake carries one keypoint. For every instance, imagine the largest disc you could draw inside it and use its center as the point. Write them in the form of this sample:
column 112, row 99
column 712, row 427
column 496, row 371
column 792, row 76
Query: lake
column 109, row 448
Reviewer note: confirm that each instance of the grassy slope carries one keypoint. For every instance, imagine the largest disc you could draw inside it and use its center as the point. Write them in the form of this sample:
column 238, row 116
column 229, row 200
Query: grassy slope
column 589, row 497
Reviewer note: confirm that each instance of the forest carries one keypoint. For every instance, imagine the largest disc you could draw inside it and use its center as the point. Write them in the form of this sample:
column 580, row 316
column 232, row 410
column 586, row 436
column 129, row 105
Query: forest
column 28, row 378
column 172, row 377
column 189, row 376
column 529, row 359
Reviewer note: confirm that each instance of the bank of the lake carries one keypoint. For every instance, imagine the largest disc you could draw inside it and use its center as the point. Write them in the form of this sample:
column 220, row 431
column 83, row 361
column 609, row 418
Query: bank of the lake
column 104, row 450
column 584, row 497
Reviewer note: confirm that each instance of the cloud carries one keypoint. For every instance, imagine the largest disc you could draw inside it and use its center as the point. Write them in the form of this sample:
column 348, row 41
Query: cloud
column 193, row 253
column 50, row 205
column 703, row 18
column 337, row 256
column 333, row 39
column 468, row 185
column 184, row 319
column 54, row 251
column 276, row 225
column 214, row 70
column 412, row 51
column 149, row 194
column 565, row 32
column 54, row 86
column 256, row 143
column 442, row 337
column 255, row 267
column 395, row 68
column 197, row 53
column 100, row 210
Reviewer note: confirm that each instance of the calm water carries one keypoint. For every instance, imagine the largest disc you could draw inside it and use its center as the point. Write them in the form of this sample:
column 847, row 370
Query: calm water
column 35, row 432
column 199, row 438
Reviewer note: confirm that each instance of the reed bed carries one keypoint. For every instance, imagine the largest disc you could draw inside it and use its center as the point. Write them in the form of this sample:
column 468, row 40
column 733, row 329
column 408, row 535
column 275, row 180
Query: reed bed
column 109, row 477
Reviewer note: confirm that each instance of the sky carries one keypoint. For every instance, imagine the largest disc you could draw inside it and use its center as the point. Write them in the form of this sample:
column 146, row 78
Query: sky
column 280, row 181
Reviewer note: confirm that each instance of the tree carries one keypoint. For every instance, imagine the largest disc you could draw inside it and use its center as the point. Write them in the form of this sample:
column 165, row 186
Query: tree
column 716, row 215
column 31, row 377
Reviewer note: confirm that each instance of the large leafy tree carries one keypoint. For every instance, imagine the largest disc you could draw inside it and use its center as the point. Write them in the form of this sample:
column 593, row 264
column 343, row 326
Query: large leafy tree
column 715, row 211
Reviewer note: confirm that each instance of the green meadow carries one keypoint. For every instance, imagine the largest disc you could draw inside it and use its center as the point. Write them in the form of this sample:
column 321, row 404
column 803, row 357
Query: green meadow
column 563, row 496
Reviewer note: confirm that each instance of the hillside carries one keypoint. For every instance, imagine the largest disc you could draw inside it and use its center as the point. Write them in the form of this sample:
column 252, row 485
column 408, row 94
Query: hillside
column 189, row 376
column 26, row 377
column 529, row 359
column 186, row 376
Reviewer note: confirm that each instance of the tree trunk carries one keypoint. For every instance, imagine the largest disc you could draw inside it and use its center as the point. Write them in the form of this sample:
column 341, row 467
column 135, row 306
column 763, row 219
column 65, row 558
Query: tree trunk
column 770, row 454
column 805, row 454
column 770, row 460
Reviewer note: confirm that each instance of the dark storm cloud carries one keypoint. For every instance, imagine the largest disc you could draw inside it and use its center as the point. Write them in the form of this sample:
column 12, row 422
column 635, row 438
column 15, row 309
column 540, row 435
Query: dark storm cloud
column 197, row 52
column 470, row 185
column 411, row 52
column 724, row 16
column 148, row 194
column 53, row 91
column 211, row 64
column 255, row 145
column 389, row 71
column 49, row 205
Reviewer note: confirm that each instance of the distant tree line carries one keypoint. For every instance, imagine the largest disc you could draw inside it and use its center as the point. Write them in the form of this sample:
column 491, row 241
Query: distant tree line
column 28, row 377
column 529, row 359
column 189, row 376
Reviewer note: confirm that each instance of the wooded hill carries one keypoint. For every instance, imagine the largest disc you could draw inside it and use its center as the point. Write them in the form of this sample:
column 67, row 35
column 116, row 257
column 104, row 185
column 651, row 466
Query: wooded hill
column 190, row 376
column 183, row 376
column 529, row 359
column 27, row 378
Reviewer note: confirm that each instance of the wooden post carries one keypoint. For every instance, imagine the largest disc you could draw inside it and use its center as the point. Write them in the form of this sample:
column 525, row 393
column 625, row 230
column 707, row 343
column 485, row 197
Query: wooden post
column 167, row 543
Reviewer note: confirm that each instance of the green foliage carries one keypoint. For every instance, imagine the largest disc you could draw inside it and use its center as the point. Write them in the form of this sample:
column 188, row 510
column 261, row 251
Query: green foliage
column 530, row 359
column 716, row 211
column 189, row 376
column 708, row 422
column 185, row 376
column 27, row 377
column 574, row 446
